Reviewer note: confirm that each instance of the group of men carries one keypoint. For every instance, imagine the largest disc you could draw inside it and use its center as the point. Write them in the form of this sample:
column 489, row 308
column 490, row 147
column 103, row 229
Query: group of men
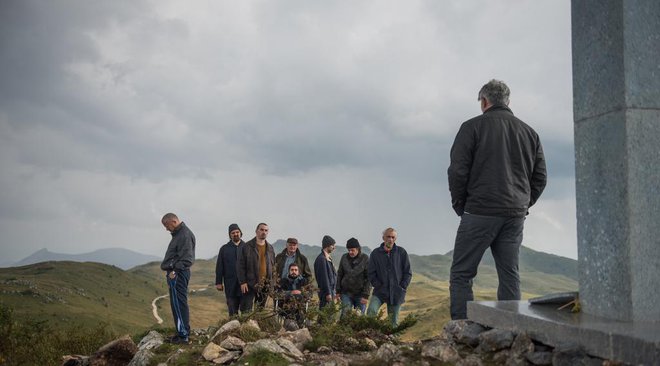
column 497, row 172
column 250, row 272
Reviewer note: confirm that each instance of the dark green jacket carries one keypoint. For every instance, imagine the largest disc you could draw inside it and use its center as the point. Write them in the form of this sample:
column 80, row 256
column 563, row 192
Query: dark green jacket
column 301, row 261
column 353, row 276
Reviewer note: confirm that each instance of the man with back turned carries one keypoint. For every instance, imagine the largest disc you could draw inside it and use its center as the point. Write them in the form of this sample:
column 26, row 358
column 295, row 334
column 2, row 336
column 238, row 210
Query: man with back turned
column 497, row 172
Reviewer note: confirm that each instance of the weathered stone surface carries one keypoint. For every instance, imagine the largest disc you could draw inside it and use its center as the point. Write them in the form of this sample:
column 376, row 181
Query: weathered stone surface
column 232, row 343
column 568, row 355
column 253, row 323
column 269, row 345
column 226, row 328
column 152, row 340
column 371, row 345
column 501, row 357
column 495, row 339
column 440, row 350
column 388, row 352
column 141, row 358
column 470, row 360
column 290, row 325
column 464, row 331
column 522, row 345
column 75, row 360
column 212, row 351
column 227, row 357
column 298, row 337
column 290, row 349
column 118, row 352
column 324, row 350
column 540, row 358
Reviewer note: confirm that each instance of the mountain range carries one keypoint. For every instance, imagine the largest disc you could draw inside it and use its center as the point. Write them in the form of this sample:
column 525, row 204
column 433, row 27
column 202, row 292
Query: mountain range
column 119, row 257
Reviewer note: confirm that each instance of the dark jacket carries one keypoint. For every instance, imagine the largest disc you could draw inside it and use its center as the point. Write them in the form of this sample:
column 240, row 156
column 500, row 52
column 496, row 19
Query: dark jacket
column 225, row 268
column 248, row 263
column 390, row 274
column 288, row 284
column 180, row 254
column 300, row 260
column 353, row 276
column 497, row 165
column 326, row 276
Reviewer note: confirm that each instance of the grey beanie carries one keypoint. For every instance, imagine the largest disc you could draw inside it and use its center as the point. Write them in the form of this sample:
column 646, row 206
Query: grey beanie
column 233, row 227
column 327, row 241
column 352, row 243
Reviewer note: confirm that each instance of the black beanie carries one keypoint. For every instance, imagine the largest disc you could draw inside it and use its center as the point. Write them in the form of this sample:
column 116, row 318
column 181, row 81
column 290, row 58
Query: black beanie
column 233, row 227
column 352, row 243
column 327, row 241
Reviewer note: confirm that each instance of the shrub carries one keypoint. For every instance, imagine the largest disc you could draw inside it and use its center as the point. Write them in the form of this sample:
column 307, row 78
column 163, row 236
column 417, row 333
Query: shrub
column 264, row 358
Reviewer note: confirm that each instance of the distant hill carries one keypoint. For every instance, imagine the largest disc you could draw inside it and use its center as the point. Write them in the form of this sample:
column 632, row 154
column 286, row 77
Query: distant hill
column 119, row 257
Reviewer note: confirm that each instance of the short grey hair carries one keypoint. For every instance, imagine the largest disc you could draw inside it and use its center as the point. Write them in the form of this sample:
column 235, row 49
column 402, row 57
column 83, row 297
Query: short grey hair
column 495, row 92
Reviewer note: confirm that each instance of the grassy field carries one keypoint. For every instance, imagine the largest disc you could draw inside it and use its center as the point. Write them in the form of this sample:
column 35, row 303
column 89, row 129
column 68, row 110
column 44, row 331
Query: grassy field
column 69, row 293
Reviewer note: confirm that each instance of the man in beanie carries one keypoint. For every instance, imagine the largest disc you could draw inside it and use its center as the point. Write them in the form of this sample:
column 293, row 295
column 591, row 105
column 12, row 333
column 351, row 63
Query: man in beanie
column 324, row 270
column 390, row 275
column 353, row 278
column 291, row 254
column 225, row 270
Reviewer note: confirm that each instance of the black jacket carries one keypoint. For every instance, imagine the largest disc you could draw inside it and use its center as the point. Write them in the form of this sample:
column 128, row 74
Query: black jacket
column 497, row 165
column 248, row 263
column 326, row 276
column 390, row 274
column 180, row 252
column 353, row 276
column 301, row 261
column 226, row 268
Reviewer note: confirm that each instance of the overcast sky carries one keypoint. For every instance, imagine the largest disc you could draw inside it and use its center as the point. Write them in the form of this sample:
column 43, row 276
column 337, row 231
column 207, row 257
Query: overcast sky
column 316, row 117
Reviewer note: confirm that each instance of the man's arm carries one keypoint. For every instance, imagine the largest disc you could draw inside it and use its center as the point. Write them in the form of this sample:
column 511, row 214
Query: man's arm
column 306, row 270
column 373, row 272
column 321, row 276
column 539, row 176
column 219, row 271
column 340, row 275
column 458, row 173
column 406, row 272
column 186, row 254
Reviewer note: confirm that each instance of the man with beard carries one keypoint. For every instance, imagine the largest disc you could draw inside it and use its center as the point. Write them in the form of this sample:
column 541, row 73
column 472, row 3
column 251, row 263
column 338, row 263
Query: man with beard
column 353, row 278
column 293, row 300
column 256, row 261
column 225, row 270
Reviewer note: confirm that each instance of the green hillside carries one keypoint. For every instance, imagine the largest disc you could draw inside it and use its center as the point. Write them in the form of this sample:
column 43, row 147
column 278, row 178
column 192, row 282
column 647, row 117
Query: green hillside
column 80, row 293
column 89, row 293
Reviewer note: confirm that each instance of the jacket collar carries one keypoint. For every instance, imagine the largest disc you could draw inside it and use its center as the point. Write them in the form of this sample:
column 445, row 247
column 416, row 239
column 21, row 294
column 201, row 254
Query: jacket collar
column 498, row 107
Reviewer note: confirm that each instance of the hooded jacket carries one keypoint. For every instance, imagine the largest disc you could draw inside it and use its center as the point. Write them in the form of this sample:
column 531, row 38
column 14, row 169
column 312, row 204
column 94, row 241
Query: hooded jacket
column 390, row 274
column 180, row 254
column 497, row 165
column 353, row 275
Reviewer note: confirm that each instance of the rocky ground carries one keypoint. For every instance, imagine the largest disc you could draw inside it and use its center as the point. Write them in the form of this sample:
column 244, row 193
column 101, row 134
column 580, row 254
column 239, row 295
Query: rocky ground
column 235, row 343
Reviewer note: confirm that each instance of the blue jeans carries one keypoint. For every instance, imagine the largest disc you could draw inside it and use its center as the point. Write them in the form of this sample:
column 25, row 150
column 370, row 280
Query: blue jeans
column 349, row 302
column 179, row 301
column 476, row 233
column 392, row 310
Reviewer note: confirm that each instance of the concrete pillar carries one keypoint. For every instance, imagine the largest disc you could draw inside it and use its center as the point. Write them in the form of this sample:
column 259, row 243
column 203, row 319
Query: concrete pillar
column 616, row 93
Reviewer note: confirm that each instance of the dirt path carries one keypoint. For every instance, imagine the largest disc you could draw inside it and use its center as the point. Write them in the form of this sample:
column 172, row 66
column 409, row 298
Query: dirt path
column 154, row 306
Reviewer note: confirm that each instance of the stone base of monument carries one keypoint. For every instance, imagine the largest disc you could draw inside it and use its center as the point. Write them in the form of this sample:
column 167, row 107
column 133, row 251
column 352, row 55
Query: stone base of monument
column 629, row 342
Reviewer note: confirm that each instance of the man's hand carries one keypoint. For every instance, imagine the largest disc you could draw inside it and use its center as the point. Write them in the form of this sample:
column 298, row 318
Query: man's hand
column 364, row 301
column 244, row 288
column 219, row 287
column 338, row 297
column 172, row 275
column 328, row 298
column 295, row 292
